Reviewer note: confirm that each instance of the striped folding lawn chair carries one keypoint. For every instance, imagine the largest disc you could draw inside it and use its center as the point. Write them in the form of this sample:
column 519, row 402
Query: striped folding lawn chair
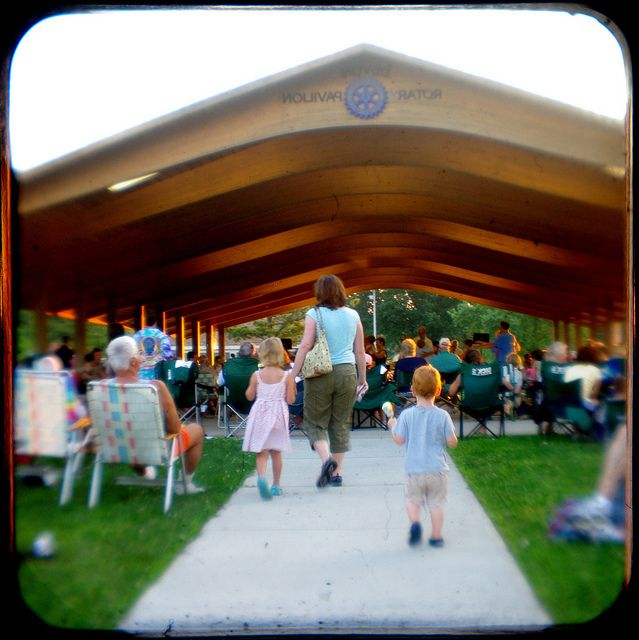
column 129, row 429
column 47, row 424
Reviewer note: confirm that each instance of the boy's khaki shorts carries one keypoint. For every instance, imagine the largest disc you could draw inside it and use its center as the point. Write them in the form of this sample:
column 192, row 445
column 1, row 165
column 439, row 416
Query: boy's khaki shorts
column 430, row 489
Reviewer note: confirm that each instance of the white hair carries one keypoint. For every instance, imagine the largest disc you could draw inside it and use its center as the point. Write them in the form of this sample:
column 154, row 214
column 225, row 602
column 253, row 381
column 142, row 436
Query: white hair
column 120, row 351
column 48, row 363
column 246, row 350
column 557, row 351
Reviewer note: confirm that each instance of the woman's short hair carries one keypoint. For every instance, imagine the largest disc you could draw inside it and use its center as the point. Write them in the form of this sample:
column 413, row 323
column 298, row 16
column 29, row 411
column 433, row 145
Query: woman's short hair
column 271, row 352
column 330, row 292
column 120, row 351
column 427, row 382
column 473, row 356
column 589, row 353
column 407, row 348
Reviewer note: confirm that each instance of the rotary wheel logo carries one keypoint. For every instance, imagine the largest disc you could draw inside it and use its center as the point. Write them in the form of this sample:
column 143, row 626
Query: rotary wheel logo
column 366, row 98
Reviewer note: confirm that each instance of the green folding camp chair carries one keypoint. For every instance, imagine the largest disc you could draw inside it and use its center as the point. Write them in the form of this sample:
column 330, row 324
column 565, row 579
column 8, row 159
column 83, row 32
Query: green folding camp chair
column 561, row 405
column 480, row 398
column 403, row 378
column 445, row 400
column 235, row 407
column 379, row 391
column 180, row 377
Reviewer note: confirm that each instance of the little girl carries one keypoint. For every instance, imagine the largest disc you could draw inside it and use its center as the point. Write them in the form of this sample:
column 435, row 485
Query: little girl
column 273, row 389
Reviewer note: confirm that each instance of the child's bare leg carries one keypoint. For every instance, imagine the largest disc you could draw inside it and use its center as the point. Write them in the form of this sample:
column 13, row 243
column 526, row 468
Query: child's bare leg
column 413, row 510
column 437, row 522
column 261, row 462
column 276, row 460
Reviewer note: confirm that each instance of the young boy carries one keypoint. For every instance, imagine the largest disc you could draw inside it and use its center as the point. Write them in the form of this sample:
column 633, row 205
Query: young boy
column 426, row 430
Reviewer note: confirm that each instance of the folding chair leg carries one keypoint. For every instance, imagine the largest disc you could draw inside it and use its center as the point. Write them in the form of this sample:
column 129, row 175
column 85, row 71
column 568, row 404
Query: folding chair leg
column 168, row 491
column 175, row 453
column 96, row 482
column 480, row 424
column 67, row 480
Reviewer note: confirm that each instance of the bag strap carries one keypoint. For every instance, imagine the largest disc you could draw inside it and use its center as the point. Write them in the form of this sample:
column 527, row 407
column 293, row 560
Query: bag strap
column 319, row 317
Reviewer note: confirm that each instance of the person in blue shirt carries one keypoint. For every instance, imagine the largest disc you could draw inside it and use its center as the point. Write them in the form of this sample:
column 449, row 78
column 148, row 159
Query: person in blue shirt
column 425, row 431
column 505, row 343
column 445, row 361
column 329, row 398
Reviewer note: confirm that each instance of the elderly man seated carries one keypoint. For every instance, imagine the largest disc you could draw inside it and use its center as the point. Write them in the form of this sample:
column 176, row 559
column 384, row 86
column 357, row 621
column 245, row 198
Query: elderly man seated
column 125, row 360
column 244, row 365
column 445, row 361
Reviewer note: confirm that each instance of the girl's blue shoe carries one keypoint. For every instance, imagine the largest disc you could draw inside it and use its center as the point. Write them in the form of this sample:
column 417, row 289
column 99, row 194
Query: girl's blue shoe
column 262, row 486
column 276, row 491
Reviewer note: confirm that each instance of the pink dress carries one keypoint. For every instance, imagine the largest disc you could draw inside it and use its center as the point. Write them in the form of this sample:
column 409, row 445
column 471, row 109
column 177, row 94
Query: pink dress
column 267, row 425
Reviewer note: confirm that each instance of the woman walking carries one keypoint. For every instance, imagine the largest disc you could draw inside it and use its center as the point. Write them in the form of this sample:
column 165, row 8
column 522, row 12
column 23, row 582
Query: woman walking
column 329, row 399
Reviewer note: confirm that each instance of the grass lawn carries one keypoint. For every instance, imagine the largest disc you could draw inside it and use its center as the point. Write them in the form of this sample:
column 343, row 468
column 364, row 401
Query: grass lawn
column 109, row 555
column 520, row 481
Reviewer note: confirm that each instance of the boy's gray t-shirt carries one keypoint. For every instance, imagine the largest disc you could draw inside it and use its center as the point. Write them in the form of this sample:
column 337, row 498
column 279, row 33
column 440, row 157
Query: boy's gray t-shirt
column 424, row 430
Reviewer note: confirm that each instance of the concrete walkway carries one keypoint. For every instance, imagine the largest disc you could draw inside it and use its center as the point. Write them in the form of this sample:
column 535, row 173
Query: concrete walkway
column 337, row 560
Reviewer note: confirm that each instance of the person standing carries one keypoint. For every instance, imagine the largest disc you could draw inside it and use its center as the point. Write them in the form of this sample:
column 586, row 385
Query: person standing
column 329, row 399
column 273, row 389
column 505, row 343
column 426, row 431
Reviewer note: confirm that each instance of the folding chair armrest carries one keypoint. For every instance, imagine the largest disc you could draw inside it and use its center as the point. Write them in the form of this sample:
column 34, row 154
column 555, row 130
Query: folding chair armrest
column 81, row 423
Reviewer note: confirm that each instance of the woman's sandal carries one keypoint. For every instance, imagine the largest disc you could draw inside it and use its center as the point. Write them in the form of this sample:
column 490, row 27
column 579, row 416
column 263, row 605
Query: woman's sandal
column 325, row 474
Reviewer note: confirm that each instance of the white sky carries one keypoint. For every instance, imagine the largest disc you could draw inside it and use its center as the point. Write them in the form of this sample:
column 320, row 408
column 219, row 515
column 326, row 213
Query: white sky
column 79, row 78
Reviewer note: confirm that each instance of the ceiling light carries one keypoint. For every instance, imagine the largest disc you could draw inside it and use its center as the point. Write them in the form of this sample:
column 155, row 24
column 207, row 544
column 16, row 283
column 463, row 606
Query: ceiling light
column 615, row 172
column 133, row 182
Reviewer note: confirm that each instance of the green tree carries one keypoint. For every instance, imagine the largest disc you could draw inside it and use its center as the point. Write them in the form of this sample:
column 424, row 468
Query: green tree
column 532, row 333
column 286, row 325
column 400, row 312
column 25, row 334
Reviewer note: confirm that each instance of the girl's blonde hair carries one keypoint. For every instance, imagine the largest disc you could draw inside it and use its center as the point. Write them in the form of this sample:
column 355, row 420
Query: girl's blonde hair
column 427, row 382
column 514, row 359
column 271, row 352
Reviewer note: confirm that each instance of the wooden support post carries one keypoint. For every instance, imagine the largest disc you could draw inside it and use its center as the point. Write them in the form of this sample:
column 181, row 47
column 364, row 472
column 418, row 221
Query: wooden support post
column 195, row 337
column 221, row 342
column 139, row 322
column 210, row 341
column 179, row 337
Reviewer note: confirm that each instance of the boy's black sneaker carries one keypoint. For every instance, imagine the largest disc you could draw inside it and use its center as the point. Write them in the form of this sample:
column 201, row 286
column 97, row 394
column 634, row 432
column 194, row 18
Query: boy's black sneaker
column 415, row 535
